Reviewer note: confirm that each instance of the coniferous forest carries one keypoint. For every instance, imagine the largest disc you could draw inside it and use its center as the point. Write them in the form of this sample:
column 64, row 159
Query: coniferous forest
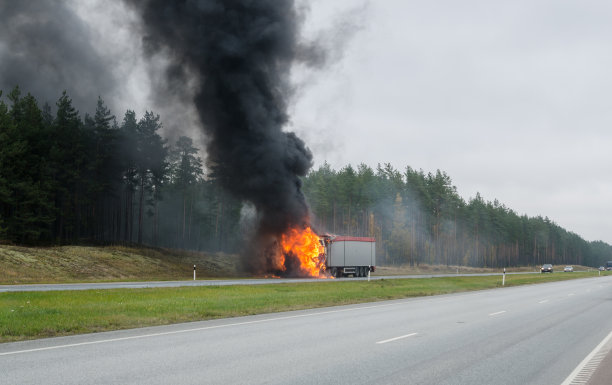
column 72, row 178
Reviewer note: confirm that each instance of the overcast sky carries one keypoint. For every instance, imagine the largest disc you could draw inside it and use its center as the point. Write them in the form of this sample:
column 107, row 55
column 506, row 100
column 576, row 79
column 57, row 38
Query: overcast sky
column 513, row 99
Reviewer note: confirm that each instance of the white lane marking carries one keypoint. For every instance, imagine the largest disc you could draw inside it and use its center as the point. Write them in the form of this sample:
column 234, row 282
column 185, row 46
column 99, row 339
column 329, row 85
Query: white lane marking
column 497, row 313
column 397, row 338
column 199, row 329
column 587, row 367
column 543, row 301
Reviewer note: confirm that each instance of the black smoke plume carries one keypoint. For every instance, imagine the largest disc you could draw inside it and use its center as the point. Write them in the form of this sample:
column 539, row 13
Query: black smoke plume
column 46, row 48
column 241, row 53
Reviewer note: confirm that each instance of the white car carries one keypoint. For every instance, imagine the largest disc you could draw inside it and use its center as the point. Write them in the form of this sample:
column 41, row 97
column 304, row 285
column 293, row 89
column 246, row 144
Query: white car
column 568, row 269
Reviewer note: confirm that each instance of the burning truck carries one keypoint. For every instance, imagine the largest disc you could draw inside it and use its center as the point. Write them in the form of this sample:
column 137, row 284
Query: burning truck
column 344, row 255
column 304, row 253
column 237, row 56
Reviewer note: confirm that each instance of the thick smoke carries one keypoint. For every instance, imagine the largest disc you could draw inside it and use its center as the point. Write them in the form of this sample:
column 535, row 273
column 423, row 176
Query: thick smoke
column 241, row 53
column 90, row 49
column 231, row 59
column 46, row 48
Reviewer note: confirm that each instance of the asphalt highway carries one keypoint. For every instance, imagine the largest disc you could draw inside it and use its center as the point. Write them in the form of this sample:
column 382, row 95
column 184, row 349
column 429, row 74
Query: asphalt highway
column 535, row 334
column 211, row 282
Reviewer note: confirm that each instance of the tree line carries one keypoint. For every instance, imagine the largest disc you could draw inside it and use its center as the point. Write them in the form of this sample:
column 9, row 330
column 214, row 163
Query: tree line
column 67, row 178
column 419, row 217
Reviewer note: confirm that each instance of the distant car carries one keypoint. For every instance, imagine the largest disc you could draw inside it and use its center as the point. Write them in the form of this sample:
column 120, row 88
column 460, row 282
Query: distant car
column 568, row 269
column 601, row 268
column 546, row 268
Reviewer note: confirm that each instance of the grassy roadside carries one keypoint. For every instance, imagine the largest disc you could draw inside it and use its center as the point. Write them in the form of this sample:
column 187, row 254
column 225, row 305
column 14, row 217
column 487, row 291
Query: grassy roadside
column 63, row 264
column 68, row 264
column 30, row 315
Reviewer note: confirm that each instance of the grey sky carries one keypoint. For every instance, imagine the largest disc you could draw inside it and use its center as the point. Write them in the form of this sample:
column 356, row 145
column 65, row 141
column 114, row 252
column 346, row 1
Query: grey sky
column 511, row 98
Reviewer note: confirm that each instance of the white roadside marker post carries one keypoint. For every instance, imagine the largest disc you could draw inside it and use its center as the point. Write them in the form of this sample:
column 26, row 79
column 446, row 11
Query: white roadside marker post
column 369, row 268
column 194, row 272
column 504, row 278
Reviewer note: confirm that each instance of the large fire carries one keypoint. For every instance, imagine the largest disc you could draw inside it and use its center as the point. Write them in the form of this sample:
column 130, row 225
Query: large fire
column 305, row 246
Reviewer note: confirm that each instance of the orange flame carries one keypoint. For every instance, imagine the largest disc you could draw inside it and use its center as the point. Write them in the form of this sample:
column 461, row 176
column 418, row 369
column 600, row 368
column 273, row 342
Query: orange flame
column 305, row 245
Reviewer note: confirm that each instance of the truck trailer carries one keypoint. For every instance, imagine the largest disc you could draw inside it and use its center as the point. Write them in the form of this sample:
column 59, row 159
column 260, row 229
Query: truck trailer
column 345, row 256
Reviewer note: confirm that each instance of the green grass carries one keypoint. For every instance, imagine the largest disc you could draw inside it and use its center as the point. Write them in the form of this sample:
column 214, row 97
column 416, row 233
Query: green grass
column 29, row 315
column 61, row 264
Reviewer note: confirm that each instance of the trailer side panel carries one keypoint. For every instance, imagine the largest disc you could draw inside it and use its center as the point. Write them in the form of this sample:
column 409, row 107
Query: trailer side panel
column 351, row 252
column 336, row 254
column 358, row 253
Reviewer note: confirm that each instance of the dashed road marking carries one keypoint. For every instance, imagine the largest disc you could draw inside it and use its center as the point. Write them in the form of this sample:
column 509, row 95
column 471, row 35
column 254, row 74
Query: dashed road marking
column 397, row 338
column 198, row 329
column 497, row 313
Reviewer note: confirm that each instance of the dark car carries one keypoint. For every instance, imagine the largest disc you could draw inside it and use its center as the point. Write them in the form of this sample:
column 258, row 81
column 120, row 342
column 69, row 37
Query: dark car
column 546, row 268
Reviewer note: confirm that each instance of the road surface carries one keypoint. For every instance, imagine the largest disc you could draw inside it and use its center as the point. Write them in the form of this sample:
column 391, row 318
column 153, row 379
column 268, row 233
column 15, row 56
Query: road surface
column 535, row 334
column 212, row 282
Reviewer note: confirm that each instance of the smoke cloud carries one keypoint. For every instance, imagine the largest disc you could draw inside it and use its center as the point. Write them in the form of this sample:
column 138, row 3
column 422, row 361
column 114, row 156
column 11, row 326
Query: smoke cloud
column 231, row 59
column 46, row 48
column 241, row 53
column 90, row 49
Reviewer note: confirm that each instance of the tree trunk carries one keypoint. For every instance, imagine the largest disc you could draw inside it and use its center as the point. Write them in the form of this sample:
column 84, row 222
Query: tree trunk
column 155, row 226
column 348, row 232
column 334, row 220
column 183, row 231
column 190, row 217
column 140, row 204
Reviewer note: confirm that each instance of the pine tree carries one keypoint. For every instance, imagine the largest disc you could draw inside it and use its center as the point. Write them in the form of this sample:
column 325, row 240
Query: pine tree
column 399, row 240
column 106, row 171
column 24, row 171
column 150, row 161
column 68, row 158
column 6, row 126
column 186, row 172
column 129, row 155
